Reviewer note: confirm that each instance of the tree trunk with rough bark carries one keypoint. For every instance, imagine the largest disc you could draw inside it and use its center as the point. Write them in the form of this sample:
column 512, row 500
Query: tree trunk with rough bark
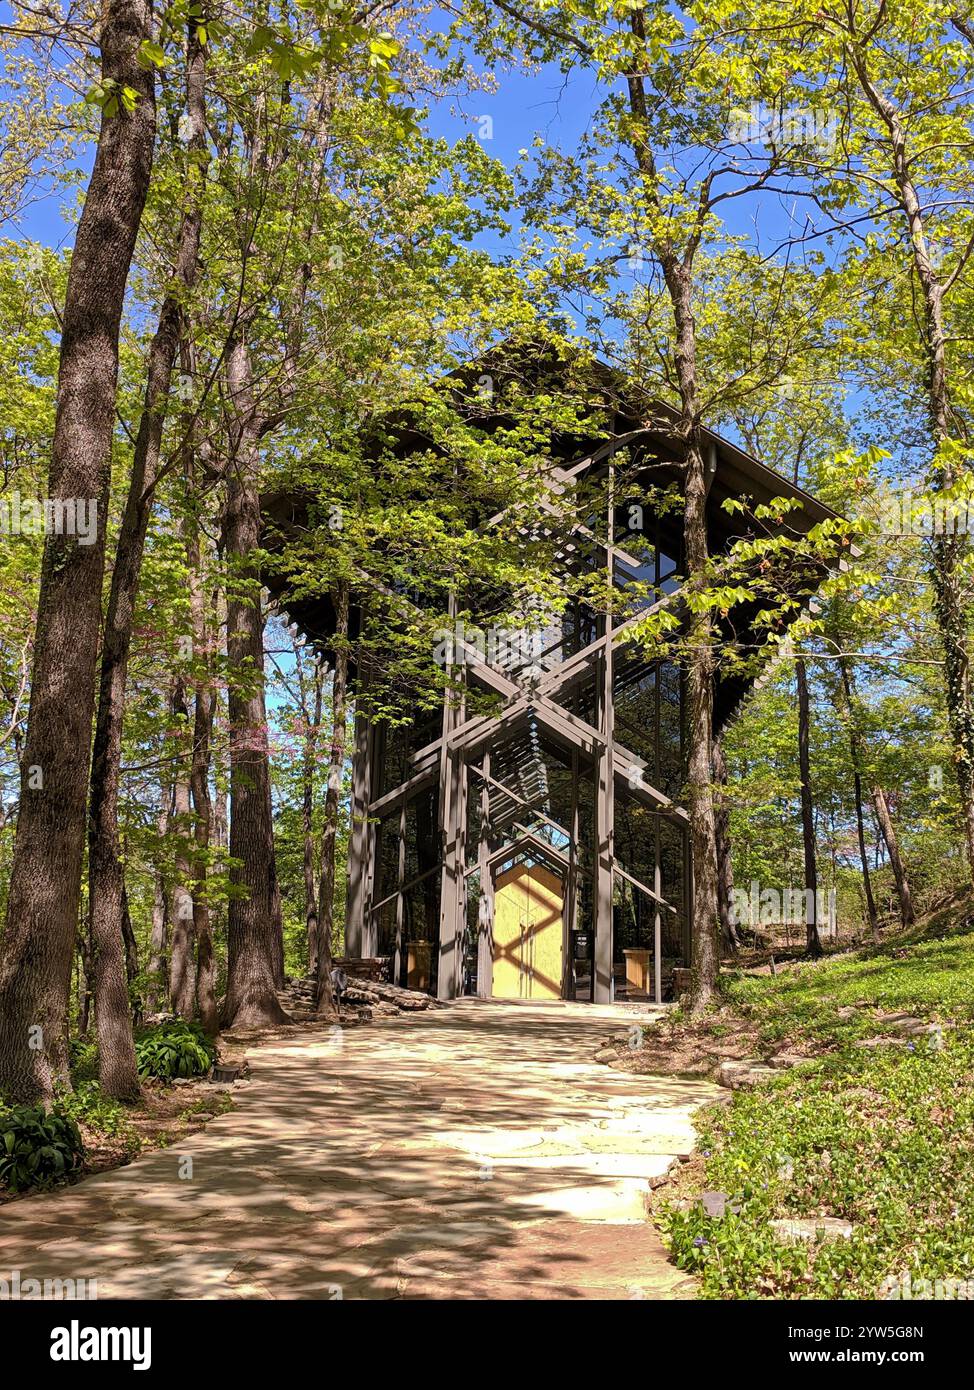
column 813, row 940
column 900, row 877
column 128, row 937
column 676, row 263
column 45, row 884
column 329, row 835
column 87, row 982
column 159, row 929
column 729, row 940
column 705, row 958
column 253, row 965
column 158, row 941
column 117, row 1071
column 182, row 951
column 873, row 918
column 856, row 750
column 885, row 821
column 204, row 710
column 308, row 767
column 867, row 885
column 949, row 552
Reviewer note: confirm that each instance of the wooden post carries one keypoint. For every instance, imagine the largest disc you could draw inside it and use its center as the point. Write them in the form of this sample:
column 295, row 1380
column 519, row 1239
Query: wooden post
column 460, row 876
column 657, row 935
column 605, row 795
column 451, row 875
column 572, row 904
column 485, row 921
column 400, row 902
column 452, row 815
column 358, row 931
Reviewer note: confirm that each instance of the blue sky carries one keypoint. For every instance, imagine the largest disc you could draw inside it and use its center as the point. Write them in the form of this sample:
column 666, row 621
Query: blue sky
column 544, row 103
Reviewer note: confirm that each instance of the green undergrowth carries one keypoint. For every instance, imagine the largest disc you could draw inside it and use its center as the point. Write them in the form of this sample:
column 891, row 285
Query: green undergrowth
column 173, row 1048
column 85, row 1127
column 881, row 1137
column 932, row 979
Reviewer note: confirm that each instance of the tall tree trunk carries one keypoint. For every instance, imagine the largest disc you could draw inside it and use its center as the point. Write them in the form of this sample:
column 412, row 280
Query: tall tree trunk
column 221, row 815
column 160, row 919
column 867, row 885
column 202, row 925
column 813, row 940
column 87, row 982
column 117, row 1072
column 277, row 919
column 888, row 831
column 856, row 750
column 204, row 710
column 158, row 940
column 329, row 835
column 128, row 937
column 949, row 552
column 730, row 941
column 705, row 959
column 42, row 910
column 221, row 819
column 677, row 267
column 308, row 767
column 253, row 948
column 182, row 958
column 883, row 818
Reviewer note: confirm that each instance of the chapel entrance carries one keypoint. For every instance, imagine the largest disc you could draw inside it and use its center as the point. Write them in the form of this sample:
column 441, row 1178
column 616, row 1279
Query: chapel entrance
column 528, row 936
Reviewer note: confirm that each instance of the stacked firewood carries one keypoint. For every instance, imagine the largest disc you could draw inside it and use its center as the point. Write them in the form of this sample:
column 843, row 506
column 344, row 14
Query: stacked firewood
column 360, row 1000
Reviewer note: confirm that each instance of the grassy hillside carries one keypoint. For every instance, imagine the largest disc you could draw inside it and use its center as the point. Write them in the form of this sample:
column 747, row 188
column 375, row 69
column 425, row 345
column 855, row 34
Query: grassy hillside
column 881, row 1136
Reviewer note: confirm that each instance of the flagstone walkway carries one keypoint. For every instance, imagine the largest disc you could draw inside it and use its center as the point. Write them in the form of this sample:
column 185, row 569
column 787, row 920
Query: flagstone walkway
column 474, row 1151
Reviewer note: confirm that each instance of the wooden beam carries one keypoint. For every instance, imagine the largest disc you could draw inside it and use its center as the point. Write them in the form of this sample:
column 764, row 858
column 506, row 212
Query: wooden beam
column 452, row 815
column 575, row 668
column 356, row 909
column 650, row 893
column 391, row 800
column 485, row 914
column 528, row 837
column 657, row 938
column 400, row 895
column 409, row 884
column 626, row 763
column 605, row 801
column 544, row 845
column 481, row 772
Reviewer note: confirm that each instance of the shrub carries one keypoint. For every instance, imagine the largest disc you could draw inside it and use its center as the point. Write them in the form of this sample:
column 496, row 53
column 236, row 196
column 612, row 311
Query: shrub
column 87, row 1104
column 174, row 1048
column 83, row 1060
column 37, row 1149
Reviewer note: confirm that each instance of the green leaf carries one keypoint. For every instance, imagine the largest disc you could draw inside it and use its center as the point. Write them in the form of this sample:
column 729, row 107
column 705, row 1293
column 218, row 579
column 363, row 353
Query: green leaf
column 151, row 55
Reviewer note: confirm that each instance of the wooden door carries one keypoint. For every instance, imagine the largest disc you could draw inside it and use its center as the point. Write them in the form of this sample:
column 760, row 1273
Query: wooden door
column 528, row 934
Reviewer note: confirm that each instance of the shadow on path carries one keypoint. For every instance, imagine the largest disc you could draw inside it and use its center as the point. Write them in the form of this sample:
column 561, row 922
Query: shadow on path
column 475, row 1151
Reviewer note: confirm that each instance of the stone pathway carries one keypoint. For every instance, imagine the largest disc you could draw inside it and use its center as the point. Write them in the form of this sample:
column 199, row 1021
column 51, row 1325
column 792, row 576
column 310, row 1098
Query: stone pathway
column 476, row 1151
